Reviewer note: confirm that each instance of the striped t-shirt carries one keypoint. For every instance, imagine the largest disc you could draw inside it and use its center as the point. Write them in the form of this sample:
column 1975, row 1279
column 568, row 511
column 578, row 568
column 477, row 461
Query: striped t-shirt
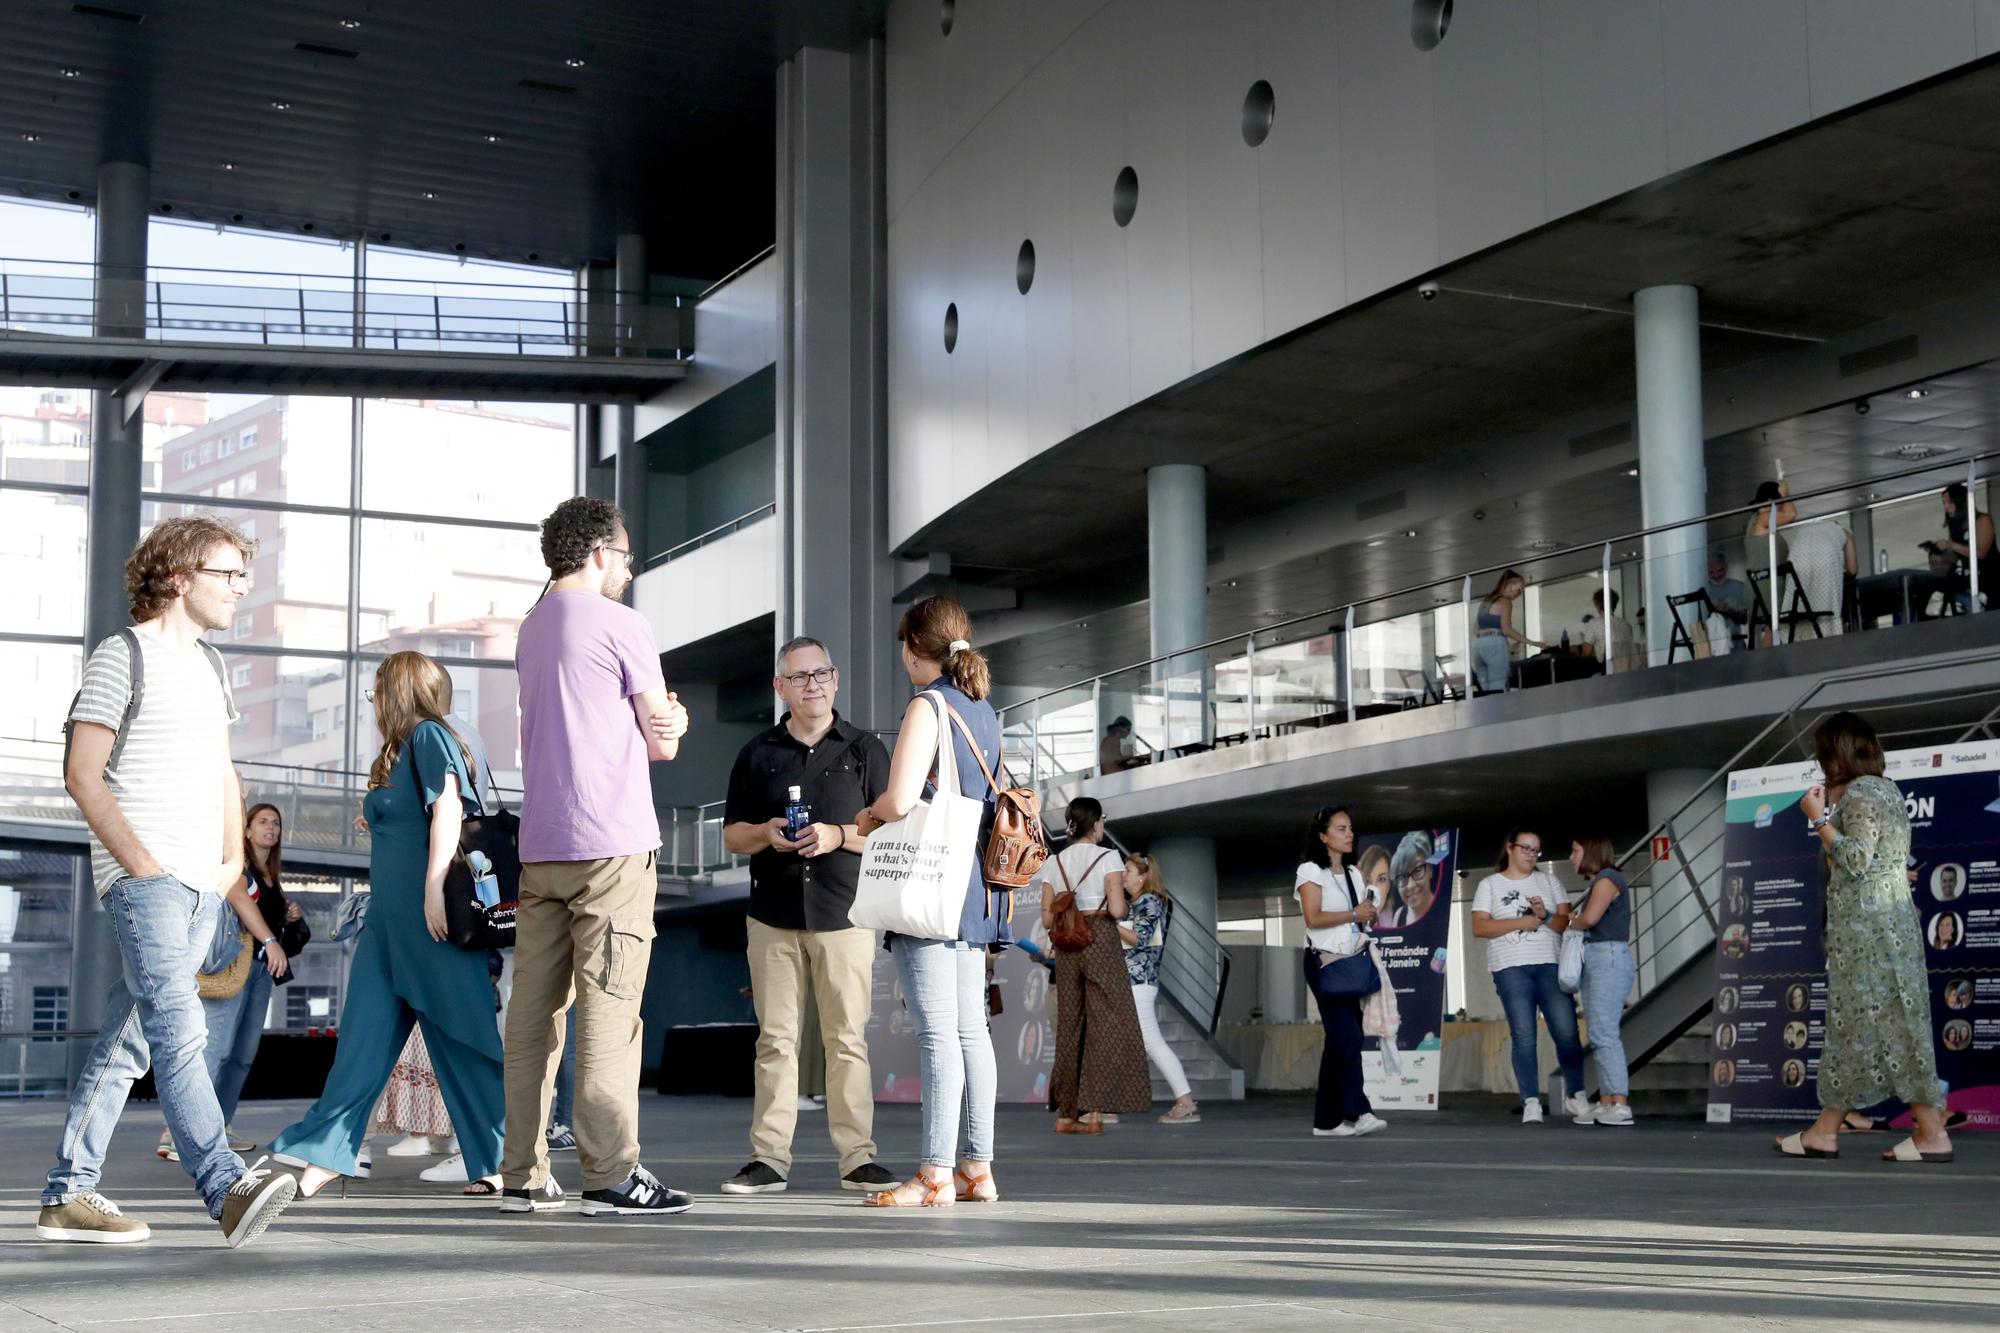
column 169, row 775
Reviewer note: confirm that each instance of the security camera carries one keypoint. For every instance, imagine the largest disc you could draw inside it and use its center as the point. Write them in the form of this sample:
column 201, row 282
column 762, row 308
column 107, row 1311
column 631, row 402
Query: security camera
column 1428, row 290
column 1861, row 407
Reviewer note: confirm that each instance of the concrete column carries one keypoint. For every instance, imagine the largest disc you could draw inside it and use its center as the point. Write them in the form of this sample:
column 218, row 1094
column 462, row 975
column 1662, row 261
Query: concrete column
column 1673, row 476
column 1177, row 590
column 1187, row 865
column 629, row 482
column 835, row 576
column 117, row 469
column 630, row 280
column 1675, row 930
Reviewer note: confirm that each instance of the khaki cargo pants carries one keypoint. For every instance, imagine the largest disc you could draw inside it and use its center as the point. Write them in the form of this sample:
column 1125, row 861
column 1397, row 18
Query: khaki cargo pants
column 584, row 932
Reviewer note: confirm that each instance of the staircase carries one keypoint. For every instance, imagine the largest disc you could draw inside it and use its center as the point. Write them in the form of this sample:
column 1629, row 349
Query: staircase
column 1210, row 1075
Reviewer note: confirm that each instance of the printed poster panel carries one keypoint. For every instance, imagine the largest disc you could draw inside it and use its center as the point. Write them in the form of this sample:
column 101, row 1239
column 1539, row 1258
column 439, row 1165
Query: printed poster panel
column 1410, row 877
column 1770, row 1000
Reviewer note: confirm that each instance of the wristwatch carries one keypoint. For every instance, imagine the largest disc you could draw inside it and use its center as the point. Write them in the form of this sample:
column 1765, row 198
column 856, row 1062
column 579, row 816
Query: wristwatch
column 1815, row 825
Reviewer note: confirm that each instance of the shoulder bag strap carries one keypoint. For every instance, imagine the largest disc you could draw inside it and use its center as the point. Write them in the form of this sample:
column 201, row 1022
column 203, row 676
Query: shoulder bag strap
column 945, row 766
column 1064, row 870
column 972, row 743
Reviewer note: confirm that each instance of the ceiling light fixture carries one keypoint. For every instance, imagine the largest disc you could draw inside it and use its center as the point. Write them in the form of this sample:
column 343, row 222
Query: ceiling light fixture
column 31, row 136
column 229, row 166
column 278, row 104
column 490, row 138
column 1379, row 541
column 350, row 24
column 1631, row 472
column 1409, row 532
column 430, row 194
column 574, row 62
column 1917, row 393
column 72, row 72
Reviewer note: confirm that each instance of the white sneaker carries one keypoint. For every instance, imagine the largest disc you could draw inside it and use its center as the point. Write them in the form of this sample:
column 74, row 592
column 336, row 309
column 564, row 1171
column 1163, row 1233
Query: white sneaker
column 1587, row 1116
column 811, row 1104
column 1576, row 1104
column 450, row 1171
column 1369, row 1123
column 1344, row 1130
column 411, row 1145
column 1621, row 1114
column 1531, row 1111
column 364, row 1163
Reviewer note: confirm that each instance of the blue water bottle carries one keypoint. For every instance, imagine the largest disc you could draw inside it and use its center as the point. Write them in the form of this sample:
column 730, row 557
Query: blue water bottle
column 798, row 815
column 485, row 886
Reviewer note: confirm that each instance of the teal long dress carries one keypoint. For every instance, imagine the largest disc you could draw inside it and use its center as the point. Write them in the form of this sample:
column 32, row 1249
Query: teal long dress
column 1878, row 998
column 400, row 976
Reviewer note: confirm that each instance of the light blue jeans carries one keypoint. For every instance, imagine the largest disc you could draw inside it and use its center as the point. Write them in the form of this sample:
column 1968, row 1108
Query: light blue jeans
column 1489, row 661
column 1523, row 989
column 235, row 1029
column 944, row 984
column 1607, row 980
column 562, row 1110
column 163, row 930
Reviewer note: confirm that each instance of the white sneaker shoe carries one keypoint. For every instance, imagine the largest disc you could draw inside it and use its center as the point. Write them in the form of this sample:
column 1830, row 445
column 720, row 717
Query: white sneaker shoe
column 1576, row 1105
column 412, row 1145
column 1621, row 1114
column 1531, row 1111
column 1344, row 1130
column 811, row 1104
column 1369, row 1123
column 1586, row 1117
column 450, row 1171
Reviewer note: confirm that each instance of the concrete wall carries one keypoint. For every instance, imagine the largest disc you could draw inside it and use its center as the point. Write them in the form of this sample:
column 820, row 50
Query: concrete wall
column 1383, row 163
column 712, row 588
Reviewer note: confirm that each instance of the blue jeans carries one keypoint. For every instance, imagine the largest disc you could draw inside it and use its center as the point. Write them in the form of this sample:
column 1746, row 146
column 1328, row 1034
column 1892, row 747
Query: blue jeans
column 163, row 930
column 1607, row 979
column 1522, row 990
column 563, row 1109
column 1489, row 661
column 944, row 984
column 235, row 1028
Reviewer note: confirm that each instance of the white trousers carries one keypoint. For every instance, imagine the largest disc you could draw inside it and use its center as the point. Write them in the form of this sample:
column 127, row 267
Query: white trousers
column 1157, row 1050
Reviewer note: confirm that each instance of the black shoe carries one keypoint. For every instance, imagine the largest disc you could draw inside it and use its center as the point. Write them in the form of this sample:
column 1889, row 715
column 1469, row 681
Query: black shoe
column 756, row 1178
column 544, row 1200
column 640, row 1194
column 869, row 1176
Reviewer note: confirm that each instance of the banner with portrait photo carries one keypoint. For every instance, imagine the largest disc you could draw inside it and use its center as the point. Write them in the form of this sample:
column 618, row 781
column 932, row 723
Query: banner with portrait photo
column 1770, row 963
column 1410, row 877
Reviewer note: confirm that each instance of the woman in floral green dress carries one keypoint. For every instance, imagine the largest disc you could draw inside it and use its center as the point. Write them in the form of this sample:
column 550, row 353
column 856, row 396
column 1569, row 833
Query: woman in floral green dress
column 1878, row 1008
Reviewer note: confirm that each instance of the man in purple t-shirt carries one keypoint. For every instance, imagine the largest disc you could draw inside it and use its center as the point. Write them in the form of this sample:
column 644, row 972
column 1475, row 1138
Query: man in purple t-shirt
column 594, row 713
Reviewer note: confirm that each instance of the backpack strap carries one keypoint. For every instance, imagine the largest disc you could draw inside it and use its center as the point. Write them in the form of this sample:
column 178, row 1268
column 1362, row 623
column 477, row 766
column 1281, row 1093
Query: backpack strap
column 137, row 692
column 1063, row 870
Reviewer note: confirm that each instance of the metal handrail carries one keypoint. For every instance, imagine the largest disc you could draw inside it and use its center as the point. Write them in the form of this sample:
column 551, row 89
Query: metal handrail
column 715, row 533
column 1196, row 1006
column 1459, row 579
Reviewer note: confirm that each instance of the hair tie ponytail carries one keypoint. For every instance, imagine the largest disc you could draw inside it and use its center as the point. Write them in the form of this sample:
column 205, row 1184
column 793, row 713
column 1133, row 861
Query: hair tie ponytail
column 958, row 646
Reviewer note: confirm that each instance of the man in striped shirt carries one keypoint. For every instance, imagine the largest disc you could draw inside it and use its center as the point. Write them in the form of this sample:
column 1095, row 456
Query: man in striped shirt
column 149, row 766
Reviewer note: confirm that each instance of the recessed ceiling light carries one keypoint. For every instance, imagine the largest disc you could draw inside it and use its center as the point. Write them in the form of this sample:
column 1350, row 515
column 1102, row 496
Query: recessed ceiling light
column 430, row 194
column 278, row 104
column 31, row 136
column 1545, row 544
column 1917, row 393
column 1379, row 541
column 574, row 62
column 1916, row 453
column 1409, row 532
column 229, row 166
column 490, row 138
column 1230, row 584
column 1083, row 624
column 72, row 72
column 350, row 24
column 1631, row 472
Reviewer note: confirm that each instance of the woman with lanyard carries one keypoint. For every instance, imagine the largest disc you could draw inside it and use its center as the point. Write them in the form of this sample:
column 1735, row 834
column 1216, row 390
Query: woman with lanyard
column 1337, row 908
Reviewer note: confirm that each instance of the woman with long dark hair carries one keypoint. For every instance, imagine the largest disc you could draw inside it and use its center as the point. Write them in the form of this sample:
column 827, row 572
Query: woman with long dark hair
column 1878, row 998
column 405, row 973
column 944, row 981
column 1964, row 547
column 1100, row 1066
column 1494, row 633
column 1337, row 908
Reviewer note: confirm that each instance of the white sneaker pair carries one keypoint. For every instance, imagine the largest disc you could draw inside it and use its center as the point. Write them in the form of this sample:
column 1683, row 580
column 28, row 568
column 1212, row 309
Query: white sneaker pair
column 1607, row 1113
column 1353, row 1129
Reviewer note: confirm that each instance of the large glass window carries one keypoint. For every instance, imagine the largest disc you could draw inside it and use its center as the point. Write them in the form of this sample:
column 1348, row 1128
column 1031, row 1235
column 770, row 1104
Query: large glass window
column 298, row 574
column 508, row 461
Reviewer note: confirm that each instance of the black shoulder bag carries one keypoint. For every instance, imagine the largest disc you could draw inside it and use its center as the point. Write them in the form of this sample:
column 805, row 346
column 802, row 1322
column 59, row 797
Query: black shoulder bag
column 469, row 923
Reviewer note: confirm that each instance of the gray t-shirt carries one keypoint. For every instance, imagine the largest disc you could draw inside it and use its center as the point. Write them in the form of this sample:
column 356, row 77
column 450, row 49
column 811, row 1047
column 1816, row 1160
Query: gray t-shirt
column 169, row 775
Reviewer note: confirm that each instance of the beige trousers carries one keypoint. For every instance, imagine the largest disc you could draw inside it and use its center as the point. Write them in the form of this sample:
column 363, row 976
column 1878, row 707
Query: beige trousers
column 839, row 966
column 584, row 932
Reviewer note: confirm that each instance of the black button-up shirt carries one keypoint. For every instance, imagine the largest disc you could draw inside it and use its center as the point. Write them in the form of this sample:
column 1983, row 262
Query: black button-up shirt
column 838, row 778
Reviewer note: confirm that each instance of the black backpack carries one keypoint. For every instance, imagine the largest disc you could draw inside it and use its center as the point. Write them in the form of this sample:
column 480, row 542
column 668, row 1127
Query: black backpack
column 132, row 702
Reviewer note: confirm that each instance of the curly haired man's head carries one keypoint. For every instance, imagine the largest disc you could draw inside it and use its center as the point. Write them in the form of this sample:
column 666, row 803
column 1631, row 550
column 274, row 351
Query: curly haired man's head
column 193, row 558
column 586, row 536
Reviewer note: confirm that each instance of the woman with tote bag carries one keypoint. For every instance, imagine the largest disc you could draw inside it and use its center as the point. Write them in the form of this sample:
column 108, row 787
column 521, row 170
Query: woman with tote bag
column 943, row 970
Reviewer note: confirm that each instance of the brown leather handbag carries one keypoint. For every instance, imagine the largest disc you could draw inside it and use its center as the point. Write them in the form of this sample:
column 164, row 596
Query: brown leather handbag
column 1017, row 846
column 1069, row 928
column 229, row 982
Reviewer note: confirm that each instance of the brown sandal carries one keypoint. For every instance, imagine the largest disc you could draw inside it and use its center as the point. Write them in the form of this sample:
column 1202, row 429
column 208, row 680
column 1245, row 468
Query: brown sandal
column 975, row 1189
column 936, row 1194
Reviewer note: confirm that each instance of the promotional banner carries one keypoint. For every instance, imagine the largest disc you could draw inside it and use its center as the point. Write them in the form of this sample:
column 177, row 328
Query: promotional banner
column 1770, row 999
column 1410, row 877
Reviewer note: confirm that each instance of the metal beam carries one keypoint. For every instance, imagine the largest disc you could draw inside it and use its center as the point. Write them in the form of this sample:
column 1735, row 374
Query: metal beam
column 131, row 395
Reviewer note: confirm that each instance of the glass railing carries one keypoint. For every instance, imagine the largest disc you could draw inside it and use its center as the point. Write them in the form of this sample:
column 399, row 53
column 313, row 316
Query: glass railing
column 311, row 310
column 1432, row 642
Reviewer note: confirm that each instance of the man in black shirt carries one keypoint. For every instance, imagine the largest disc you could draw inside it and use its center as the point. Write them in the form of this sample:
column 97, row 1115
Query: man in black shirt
column 800, row 891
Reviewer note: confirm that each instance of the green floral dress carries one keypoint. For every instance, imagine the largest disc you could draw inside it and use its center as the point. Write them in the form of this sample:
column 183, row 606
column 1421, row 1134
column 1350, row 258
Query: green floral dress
column 1878, row 1003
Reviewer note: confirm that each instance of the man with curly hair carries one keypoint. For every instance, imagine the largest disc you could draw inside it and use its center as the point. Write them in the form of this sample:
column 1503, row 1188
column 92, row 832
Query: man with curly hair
column 594, row 712
column 149, row 766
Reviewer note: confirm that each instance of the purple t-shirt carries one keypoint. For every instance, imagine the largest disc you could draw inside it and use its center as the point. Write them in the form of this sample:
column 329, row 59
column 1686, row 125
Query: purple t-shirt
column 586, row 793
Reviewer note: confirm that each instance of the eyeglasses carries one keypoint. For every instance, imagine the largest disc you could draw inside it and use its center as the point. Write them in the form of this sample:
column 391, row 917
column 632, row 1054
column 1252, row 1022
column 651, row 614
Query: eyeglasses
column 818, row 676
column 619, row 550
column 1533, row 849
column 233, row 577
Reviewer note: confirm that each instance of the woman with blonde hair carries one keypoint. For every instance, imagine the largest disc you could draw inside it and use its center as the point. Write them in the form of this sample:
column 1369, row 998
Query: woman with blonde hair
column 1144, row 932
column 405, row 974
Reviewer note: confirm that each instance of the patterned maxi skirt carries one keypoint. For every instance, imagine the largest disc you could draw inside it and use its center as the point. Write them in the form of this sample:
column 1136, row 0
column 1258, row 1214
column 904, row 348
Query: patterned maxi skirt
column 411, row 1102
column 1100, row 1052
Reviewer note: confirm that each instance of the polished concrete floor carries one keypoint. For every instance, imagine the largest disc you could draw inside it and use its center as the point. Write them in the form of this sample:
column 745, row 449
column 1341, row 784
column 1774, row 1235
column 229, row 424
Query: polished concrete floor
column 1458, row 1220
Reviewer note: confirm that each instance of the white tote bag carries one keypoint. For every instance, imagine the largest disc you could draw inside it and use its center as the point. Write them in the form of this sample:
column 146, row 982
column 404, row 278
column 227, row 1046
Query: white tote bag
column 915, row 871
column 1569, row 963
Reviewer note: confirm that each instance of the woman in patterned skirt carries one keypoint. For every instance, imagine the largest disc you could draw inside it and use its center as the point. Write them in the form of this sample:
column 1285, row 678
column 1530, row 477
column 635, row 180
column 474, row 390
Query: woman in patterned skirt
column 1100, row 1065
column 1878, row 1005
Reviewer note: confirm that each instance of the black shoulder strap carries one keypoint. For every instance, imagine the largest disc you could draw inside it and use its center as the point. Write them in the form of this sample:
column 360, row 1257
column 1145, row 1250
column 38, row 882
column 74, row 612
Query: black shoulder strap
column 133, row 697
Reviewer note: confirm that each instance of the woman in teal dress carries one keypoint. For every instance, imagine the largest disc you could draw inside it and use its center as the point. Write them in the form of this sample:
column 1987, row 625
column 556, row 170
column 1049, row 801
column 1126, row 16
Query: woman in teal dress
column 1878, row 1000
column 404, row 973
